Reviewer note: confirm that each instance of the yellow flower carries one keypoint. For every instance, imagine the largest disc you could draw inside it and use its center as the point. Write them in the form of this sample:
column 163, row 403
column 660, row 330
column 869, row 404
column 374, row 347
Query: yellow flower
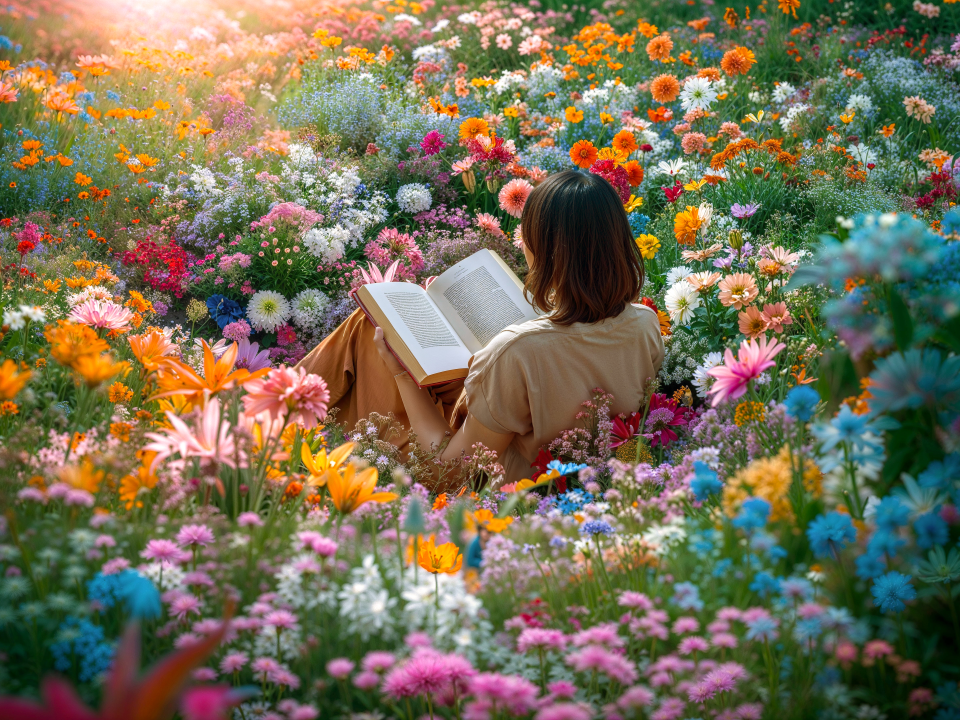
column 847, row 119
column 485, row 519
column 12, row 381
column 436, row 559
column 511, row 112
column 632, row 204
column 754, row 117
column 471, row 128
column 649, row 245
column 349, row 489
column 694, row 185
column 573, row 115
column 322, row 465
column 769, row 479
column 69, row 342
column 120, row 393
column 96, row 369
column 83, row 476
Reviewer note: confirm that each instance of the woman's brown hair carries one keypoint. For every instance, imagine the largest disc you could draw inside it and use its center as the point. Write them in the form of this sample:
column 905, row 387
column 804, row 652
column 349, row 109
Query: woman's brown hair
column 586, row 265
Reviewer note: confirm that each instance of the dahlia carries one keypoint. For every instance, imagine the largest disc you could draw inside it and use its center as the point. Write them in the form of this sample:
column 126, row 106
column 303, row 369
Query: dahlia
column 513, row 196
column 288, row 393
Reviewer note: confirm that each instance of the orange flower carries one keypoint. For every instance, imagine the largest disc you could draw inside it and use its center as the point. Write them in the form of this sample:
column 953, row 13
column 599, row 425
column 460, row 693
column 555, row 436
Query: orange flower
column 751, row 322
column 69, row 342
column 12, row 381
column 624, row 143
column 738, row 61
column 659, row 47
column 436, row 559
column 349, row 490
column 710, row 73
column 323, row 465
column 472, row 127
column 634, row 172
column 583, row 154
column 573, row 115
column 97, row 369
column 62, row 104
column 177, row 378
column 686, row 225
column 888, row 130
column 120, row 393
column 738, row 290
column 150, row 349
column 665, row 88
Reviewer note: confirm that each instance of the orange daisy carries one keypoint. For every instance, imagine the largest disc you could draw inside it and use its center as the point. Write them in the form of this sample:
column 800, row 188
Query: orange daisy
column 665, row 88
column 583, row 154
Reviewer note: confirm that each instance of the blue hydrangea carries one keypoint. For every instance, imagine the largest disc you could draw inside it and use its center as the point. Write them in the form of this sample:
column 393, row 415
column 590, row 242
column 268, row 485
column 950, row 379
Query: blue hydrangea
column 892, row 590
column 801, row 402
column 139, row 595
column 638, row 223
column 830, row 532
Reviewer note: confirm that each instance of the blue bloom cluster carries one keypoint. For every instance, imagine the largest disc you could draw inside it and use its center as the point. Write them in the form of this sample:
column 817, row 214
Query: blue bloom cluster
column 705, row 481
column 830, row 533
column 84, row 642
column 753, row 514
column 596, row 527
column 139, row 595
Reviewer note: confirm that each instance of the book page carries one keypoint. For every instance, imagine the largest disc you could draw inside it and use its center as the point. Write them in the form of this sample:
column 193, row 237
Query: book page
column 480, row 296
column 424, row 331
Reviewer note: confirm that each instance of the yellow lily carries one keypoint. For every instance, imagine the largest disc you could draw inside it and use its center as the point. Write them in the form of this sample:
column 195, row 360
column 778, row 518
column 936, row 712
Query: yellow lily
column 322, row 464
column 349, row 489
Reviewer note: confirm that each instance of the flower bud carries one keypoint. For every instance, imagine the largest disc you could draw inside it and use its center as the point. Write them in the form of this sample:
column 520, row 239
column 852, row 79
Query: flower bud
column 735, row 239
column 469, row 180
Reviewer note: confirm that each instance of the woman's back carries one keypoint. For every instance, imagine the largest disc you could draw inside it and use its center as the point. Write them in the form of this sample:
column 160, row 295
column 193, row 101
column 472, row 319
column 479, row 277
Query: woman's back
column 532, row 378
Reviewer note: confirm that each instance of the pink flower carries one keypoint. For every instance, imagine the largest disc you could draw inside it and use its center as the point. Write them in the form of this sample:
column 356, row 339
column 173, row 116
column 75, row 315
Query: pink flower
column 488, row 223
column 209, row 703
column 700, row 693
column 338, row 668
column 427, row 673
column 163, row 551
column 597, row 659
column 509, row 692
column 366, row 680
column 432, row 143
column 724, row 640
column 604, row 635
column 564, row 711
column 249, row 519
column 541, row 640
column 183, row 605
column 634, row 698
column 204, row 674
column 685, row 625
column 284, row 677
column 378, row 661
column 634, row 600
column 303, row 712
column 562, row 689
column 776, row 316
column 195, row 536
column 288, row 393
column 323, row 546
column 263, row 666
column 513, row 196
column 102, row 314
column 750, row 711
column 233, row 662
column 117, row 565
column 693, row 644
column 285, row 620
column 213, row 441
column 734, row 375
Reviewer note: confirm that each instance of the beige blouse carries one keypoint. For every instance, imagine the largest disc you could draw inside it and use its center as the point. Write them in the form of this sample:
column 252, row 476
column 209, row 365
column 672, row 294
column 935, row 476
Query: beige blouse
column 531, row 378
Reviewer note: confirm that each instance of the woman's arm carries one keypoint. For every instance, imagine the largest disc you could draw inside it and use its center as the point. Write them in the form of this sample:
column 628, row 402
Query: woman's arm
column 428, row 422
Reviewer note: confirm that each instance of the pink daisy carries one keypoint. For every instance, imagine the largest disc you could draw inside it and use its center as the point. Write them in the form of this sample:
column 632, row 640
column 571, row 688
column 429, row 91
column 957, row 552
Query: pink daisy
column 288, row 393
column 195, row 536
column 102, row 314
column 163, row 551
column 513, row 196
column 736, row 373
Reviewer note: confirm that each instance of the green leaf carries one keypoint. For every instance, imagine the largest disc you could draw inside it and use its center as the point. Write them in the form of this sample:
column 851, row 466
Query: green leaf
column 902, row 322
column 948, row 334
column 838, row 378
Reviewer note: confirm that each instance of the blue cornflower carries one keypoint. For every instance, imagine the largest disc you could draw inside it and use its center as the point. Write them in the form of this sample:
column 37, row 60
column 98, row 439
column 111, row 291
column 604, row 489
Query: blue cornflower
column 829, row 532
column 113, row 95
column 722, row 567
column 796, row 588
column 686, row 595
column 940, row 473
column 845, row 427
column 596, row 527
column 891, row 513
column 891, row 590
column 765, row 584
column 705, row 482
column 753, row 514
column 558, row 541
column 884, row 542
column 105, row 589
column 931, row 530
column 801, row 402
column 571, row 502
column 763, row 628
column 870, row 565
column 224, row 310
column 565, row 468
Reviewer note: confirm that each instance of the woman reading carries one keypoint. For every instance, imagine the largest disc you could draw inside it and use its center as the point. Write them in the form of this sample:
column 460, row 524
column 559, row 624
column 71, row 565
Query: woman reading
column 526, row 386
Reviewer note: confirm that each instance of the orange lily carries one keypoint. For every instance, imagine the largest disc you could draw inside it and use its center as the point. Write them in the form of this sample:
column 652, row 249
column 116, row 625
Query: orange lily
column 151, row 349
column 178, row 378
column 322, row 465
column 349, row 489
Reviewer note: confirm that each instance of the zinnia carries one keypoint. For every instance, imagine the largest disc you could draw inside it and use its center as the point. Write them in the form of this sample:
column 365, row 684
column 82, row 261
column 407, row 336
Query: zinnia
column 583, row 154
column 735, row 374
column 513, row 196
column 686, row 224
column 738, row 61
column 752, row 323
column 738, row 290
column 292, row 394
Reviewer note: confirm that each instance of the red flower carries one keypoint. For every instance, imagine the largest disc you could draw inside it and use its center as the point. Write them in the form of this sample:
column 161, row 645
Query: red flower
column 624, row 429
column 540, row 465
column 614, row 174
column 674, row 192
column 25, row 246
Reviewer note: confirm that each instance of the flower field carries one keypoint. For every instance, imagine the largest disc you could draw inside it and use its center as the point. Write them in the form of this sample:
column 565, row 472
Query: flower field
column 188, row 192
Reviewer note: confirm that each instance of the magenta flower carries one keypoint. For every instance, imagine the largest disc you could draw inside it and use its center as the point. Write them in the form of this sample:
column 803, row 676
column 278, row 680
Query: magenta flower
column 693, row 644
column 338, row 668
column 594, row 658
column 285, row 620
column 195, row 536
column 233, row 662
column 736, row 373
column 432, row 143
column 562, row 689
column 541, row 639
column 663, row 415
column 634, row 698
column 163, row 551
column 249, row 519
column 634, row 600
column 512, row 693
column 700, row 693
column 366, row 680
column 183, row 605
column 563, row 711
column 684, row 625
column 378, row 661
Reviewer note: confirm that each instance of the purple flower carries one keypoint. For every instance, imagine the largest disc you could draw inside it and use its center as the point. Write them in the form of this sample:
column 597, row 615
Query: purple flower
column 432, row 143
column 744, row 211
column 250, row 356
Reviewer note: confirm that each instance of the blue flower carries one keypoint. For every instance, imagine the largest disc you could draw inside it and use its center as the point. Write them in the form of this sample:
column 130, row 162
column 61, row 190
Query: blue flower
column 705, row 482
column 765, row 584
column 686, row 595
column 891, row 590
column 596, row 527
column 140, row 596
column 224, row 310
column 722, row 567
column 801, row 402
column 763, row 628
column 84, row 641
column 638, row 223
column 891, row 513
column 796, row 588
column 753, row 514
column 808, row 629
column 951, row 222
column 870, row 565
column 565, row 468
column 884, row 542
column 931, row 530
column 940, row 473
column 915, row 379
column 830, row 532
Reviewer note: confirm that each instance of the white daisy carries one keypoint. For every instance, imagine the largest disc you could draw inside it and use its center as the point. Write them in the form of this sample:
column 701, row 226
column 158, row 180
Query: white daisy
column 675, row 275
column 782, row 92
column 681, row 300
column 701, row 381
column 697, row 94
column 268, row 310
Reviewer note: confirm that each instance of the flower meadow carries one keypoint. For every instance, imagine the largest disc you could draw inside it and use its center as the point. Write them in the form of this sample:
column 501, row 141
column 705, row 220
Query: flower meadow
column 188, row 193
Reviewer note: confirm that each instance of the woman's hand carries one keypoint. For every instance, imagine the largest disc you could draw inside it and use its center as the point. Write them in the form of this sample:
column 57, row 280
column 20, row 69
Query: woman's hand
column 393, row 365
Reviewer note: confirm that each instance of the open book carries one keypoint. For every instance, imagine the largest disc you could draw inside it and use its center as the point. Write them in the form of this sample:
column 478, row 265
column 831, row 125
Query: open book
column 435, row 332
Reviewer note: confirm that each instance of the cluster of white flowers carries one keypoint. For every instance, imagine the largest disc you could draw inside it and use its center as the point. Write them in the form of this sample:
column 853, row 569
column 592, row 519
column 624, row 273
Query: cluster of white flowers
column 792, row 114
column 93, row 292
column 302, row 156
column 365, row 604
column 860, row 103
column 782, row 92
column 17, row 318
column 663, row 537
column 268, row 310
column 204, row 182
column 509, row 80
column 414, row 198
column 458, row 619
column 308, row 308
column 328, row 244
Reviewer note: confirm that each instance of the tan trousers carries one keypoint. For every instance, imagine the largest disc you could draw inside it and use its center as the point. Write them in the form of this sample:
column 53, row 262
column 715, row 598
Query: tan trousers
column 360, row 383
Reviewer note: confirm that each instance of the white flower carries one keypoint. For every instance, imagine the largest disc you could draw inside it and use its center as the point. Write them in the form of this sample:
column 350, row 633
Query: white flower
column 308, row 307
column 706, row 214
column 414, row 198
column 681, row 300
column 204, row 181
column 677, row 274
column 702, row 381
column 670, row 167
column 14, row 318
column 328, row 244
column 94, row 292
column 860, row 102
column 33, row 313
column 301, row 155
column 403, row 17
column 782, row 92
column 697, row 94
column 268, row 310
column 469, row 18
column 440, row 25
column 862, row 154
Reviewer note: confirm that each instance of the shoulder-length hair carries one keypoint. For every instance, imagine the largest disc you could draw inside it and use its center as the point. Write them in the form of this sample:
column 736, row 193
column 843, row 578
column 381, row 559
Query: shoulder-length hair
column 586, row 265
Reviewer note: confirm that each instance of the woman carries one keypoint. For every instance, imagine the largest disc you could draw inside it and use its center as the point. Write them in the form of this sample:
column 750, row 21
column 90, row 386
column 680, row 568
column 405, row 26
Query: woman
column 526, row 386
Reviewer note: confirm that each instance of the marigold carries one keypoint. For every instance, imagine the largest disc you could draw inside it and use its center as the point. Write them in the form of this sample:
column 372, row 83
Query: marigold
column 665, row 88
column 8, row 407
column 686, row 225
column 738, row 61
column 659, row 47
column 749, row 411
column 583, row 154
column 120, row 393
column 150, row 349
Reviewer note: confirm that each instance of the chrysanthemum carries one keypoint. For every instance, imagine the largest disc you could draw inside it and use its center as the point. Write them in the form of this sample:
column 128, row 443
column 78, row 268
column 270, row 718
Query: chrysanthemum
column 738, row 61
column 659, row 47
column 665, row 88
column 738, row 290
column 583, row 153
column 513, row 196
column 681, row 301
column 268, row 310
column 104, row 315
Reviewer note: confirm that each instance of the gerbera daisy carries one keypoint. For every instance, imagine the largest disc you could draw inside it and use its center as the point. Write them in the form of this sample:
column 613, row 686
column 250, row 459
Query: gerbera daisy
column 471, row 128
column 513, row 196
column 286, row 393
column 776, row 316
column 634, row 172
column 583, row 154
column 751, row 322
column 738, row 290
column 681, row 301
column 665, row 88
